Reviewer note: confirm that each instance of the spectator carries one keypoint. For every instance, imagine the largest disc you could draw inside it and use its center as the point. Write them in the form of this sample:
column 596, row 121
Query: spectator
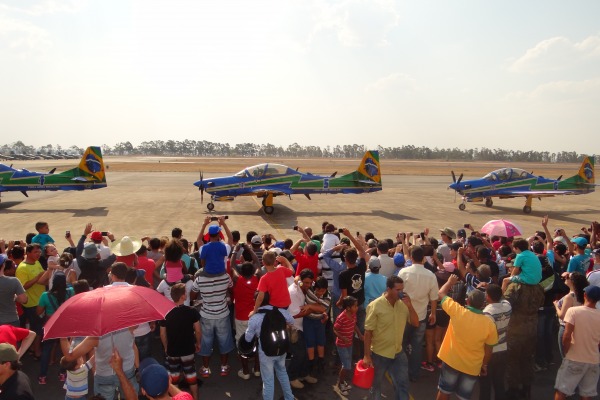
column 180, row 336
column 274, row 281
column 386, row 321
column 42, row 238
column 467, row 346
column 33, row 278
column 421, row 285
column 308, row 258
column 14, row 383
column 330, row 239
column 317, row 298
column 527, row 267
column 579, row 369
column 374, row 281
column 580, row 262
column 76, row 383
column 576, row 284
column 344, row 329
column 145, row 263
column 387, row 268
column 11, row 290
column 213, row 253
column 93, row 269
column 447, row 235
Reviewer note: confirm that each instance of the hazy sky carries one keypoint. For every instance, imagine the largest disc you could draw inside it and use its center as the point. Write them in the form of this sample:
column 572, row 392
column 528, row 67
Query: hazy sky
column 507, row 74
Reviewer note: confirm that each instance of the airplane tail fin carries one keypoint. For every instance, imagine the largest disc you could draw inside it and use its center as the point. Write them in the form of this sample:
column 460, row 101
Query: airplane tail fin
column 586, row 175
column 369, row 166
column 91, row 165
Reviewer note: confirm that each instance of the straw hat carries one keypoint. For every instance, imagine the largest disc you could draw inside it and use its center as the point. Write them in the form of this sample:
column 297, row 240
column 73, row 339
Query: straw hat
column 126, row 246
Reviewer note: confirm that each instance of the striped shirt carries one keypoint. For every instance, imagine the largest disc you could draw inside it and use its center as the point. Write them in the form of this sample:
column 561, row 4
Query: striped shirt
column 213, row 291
column 77, row 381
column 344, row 325
column 500, row 313
column 325, row 301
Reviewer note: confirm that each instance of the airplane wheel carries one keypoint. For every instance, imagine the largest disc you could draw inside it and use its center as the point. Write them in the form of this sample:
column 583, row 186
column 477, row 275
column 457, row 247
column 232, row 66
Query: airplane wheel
column 210, row 206
column 489, row 202
column 527, row 210
column 462, row 207
column 269, row 209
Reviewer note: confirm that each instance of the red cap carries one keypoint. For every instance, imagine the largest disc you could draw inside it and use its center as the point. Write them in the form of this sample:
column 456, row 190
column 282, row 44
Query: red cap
column 96, row 236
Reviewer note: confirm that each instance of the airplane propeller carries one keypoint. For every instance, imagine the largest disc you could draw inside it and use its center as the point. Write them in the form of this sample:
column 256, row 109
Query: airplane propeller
column 559, row 178
column 201, row 187
column 454, row 177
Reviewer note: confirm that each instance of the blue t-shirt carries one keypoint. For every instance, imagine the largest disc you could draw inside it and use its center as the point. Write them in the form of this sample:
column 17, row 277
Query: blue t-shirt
column 579, row 263
column 374, row 286
column 42, row 239
column 531, row 268
column 213, row 254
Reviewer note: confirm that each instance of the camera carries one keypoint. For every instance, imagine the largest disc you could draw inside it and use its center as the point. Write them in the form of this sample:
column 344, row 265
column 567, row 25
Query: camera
column 295, row 227
column 357, row 233
column 17, row 242
column 105, row 233
column 422, row 235
column 341, row 230
column 466, row 225
column 217, row 218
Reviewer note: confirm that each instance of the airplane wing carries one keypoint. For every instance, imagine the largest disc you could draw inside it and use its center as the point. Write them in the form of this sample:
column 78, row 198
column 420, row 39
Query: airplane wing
column 275, row 191
column 83, row 179
column 536, row 193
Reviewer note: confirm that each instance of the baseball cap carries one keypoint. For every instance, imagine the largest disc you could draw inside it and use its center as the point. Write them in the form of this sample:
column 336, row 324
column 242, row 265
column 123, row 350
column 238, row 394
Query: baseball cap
column 214, row 229
column 580, row 241
column 592, row 292
column 560, row 239
column 399, row 260
column 280, row 244
column 96, row 236
column 374, row 263
column 2, row 259
column 8, row 353
column 154, row 378
column 256, row 240
column 449, row 232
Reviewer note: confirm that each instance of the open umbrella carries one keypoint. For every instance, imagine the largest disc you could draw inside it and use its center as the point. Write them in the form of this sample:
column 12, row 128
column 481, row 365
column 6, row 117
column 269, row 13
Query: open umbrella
column 105, row 310
column 501, row 227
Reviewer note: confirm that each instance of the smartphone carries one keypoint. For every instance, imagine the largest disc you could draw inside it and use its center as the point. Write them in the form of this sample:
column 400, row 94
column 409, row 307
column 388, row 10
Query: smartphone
column 295, row 227
column 17, row 242
column 422, row 234
column 401, row 295
column 341, row 230
column 214, row 218
column 68, row 233
column 104, row 233
column 357, row 233
column 466, row 225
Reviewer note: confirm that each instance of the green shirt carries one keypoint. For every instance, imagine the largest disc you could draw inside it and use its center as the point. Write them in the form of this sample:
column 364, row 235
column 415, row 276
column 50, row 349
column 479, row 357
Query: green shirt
column 387, row 324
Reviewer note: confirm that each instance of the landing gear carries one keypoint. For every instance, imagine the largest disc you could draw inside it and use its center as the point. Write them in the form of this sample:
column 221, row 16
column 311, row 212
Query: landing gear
column 489, row 202
column 527, row 208
column 462, row 206
column 210, row 206
column 267, row 203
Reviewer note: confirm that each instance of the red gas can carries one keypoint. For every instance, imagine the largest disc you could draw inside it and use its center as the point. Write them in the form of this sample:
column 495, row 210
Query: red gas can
column 363, row 376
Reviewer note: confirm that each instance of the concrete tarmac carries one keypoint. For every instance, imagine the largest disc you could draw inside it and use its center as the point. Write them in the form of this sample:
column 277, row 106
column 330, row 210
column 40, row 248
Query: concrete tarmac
column 149, row 204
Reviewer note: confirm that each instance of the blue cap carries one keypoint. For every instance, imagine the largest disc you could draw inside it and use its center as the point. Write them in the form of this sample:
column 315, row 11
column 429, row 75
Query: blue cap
column 592, row 292
column 280, row 244
column 214, row 229
column 580, row 241
column 399, row 260
column 2, row 259
column 154, row 378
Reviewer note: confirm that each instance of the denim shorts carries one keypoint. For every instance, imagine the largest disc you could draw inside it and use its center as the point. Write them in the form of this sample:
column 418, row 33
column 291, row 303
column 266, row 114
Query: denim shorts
column 345, row 354
column 572, row 375
column 453, row 381
column 221, row 328
column 314, row 332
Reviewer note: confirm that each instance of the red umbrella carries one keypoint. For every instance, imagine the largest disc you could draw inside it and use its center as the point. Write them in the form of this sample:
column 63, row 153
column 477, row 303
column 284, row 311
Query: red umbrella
column 105, row 310
column 501, row 227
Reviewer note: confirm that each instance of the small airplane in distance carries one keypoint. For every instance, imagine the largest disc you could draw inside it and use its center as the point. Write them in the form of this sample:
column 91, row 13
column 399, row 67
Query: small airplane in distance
column 89, row 174
column 507, row 183
column 270, row 180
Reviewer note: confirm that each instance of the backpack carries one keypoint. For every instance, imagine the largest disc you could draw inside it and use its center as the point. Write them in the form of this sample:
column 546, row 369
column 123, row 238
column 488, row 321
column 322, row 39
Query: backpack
column 274, row 338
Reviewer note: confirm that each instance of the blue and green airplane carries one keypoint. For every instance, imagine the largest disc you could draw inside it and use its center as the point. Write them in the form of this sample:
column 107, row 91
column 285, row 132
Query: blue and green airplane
column 507, row 183
column 270, row 180
column 89, row 174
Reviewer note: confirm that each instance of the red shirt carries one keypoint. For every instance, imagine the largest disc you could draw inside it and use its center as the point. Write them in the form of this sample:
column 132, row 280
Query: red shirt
column 344, row 325
column 147, row 265
column 11, row 334
column 306, row 261
column 275, row 284
column 243, row 296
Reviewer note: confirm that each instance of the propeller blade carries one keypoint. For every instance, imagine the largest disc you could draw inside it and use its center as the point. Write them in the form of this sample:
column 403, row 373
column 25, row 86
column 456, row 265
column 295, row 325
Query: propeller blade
column 459, row 179
column 453, row 176
column 333, row 175
column 201, row 187
column 559, row 178
column 51, row 171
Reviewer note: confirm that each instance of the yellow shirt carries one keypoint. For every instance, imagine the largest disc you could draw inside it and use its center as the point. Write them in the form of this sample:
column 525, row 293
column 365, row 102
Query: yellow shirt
column 468, row 332
column 387, row 324
column 26, row 272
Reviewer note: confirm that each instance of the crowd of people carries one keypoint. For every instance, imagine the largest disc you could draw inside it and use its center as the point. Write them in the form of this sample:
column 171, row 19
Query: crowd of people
column 475, row 308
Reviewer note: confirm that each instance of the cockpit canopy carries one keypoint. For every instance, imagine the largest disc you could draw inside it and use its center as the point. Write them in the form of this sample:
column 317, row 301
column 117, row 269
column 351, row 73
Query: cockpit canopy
column 506, row 174
column 262, row 171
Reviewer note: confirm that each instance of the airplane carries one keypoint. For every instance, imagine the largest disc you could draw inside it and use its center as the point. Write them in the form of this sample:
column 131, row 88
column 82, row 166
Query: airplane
column 89, row 174
column 270, row 180
column 507, row 183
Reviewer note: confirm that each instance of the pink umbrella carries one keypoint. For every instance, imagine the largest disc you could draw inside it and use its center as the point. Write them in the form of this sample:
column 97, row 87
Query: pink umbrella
column 501, row 227
column 105, row 310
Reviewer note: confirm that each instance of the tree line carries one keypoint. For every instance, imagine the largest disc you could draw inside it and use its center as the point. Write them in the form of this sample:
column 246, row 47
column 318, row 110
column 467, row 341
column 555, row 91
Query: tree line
column 203, row 148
